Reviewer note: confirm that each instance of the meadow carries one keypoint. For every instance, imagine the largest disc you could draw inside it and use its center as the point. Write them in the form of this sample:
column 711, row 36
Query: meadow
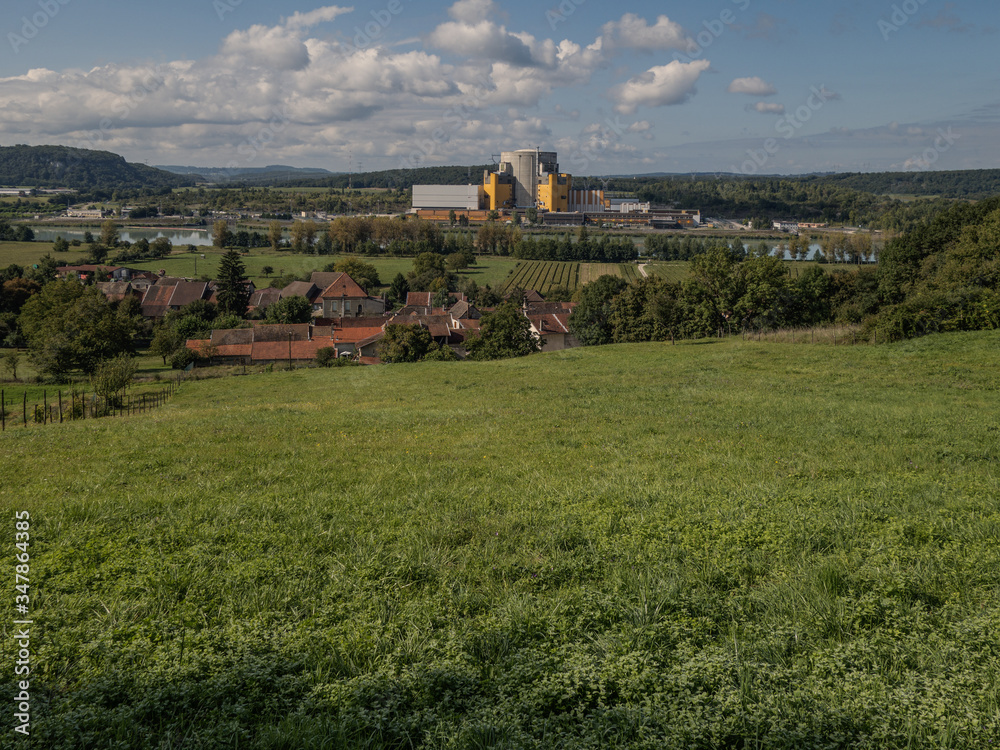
column 719, row 544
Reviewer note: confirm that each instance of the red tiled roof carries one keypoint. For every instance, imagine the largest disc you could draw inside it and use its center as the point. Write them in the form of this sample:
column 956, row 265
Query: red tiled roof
column 370, row 340
column 366, row 321
column 343, row 286
column 233, row 350
column 302, row 289
column 264, row 298
column 278, row 350
column 224, row 337
column 419, row 299
column 272, row 332
column 156, row 300
column 323, row 279
column 550, row 323
column 187, row 292
column 354, row 335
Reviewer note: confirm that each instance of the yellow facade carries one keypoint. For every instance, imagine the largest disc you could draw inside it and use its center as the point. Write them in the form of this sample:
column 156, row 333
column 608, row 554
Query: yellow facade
column 554, row 195
column 499, row 194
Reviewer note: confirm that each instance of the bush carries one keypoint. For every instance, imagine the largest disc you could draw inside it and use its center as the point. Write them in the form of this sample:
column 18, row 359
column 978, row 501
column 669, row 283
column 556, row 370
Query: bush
column 113, row 376
column 326, row 357
column 182, row 358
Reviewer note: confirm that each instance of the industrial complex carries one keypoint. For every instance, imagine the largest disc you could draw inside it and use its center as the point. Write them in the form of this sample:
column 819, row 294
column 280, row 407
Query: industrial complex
column 530, row 178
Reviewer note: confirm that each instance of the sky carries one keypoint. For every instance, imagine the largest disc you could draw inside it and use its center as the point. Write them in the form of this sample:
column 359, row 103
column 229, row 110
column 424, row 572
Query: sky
column 745, row 86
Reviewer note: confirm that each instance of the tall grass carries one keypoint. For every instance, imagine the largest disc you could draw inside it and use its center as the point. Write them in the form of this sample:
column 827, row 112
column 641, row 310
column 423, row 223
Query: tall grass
column 716, row 544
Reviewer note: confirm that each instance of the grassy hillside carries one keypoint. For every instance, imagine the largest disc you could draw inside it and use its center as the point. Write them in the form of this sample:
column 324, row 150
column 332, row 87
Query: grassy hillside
column 715, row 545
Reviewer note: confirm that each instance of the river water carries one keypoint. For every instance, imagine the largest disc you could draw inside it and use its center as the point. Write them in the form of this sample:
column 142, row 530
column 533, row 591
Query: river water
column 179, row 237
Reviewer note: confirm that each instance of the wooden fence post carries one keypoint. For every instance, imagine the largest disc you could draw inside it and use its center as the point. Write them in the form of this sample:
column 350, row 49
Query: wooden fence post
column 3, row 411
column 24, row 408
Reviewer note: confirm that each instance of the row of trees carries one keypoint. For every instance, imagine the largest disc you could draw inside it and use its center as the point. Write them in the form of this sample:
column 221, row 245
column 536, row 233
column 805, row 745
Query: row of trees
column 723, row 292
column 944, row 276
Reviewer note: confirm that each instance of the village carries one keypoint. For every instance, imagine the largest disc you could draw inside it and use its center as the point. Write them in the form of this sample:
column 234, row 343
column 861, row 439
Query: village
column 344, row 317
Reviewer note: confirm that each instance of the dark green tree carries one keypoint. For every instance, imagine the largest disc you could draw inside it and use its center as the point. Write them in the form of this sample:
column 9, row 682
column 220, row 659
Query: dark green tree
column 166, row 341
column 503, row 334
column 290, row 310
column 233, row 291
column 398, row 289
column 365, row 274
column 70, row 327
column 404, row 343
column 590, row 321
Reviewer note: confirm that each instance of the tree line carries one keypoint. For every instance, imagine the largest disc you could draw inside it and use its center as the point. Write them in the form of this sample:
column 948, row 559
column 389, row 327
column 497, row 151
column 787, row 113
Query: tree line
column 943, row 276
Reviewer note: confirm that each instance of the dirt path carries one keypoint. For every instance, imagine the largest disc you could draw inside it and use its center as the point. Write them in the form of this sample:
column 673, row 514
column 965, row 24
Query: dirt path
column 642, row 270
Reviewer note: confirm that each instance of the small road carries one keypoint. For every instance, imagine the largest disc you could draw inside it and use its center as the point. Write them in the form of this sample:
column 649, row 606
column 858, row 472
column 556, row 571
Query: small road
column 642, row 270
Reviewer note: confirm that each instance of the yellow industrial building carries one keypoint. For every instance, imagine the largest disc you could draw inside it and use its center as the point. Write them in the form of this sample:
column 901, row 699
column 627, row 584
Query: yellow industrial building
column 530, row 178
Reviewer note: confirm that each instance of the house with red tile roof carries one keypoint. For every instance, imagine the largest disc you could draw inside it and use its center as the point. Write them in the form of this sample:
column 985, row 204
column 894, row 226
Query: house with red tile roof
column 344, row 298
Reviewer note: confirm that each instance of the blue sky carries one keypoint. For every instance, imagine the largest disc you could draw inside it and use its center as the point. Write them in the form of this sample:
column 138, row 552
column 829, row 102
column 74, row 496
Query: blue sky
column 752, row 86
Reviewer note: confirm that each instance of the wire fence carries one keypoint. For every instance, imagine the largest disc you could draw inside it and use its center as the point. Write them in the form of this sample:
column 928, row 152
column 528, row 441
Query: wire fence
column 68, row 406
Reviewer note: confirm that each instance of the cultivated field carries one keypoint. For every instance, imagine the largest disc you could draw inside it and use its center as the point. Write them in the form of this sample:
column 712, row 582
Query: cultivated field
column 722, row 544
column 676, row 270
column 543, row 275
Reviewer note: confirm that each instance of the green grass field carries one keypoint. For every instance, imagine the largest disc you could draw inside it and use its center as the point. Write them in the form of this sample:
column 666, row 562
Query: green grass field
column 183, row 264
column 29, row 253
column 488, row 270
column 714, row 545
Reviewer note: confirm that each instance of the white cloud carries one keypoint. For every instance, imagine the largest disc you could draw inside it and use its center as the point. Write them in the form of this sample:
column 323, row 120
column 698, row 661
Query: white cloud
column 484, row 40
column 754, row 86
column 767, row 108
column 659, row 86
column 272, row 47
column 633, row 32
column 472, row 11
column 312, row 18
column 639, row 127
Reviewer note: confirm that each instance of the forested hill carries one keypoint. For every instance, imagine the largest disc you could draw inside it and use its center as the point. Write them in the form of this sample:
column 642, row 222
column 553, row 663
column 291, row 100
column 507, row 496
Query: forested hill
column 62, row 166
column 968, row 183
column 400, row 178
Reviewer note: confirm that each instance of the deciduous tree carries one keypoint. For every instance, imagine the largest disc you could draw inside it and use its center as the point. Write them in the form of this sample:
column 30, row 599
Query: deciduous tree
column 504, row 333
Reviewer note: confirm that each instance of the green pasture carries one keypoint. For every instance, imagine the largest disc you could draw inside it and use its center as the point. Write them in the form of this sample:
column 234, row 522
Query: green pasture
column 27, row 254
column 721, row 544
column 182, row 263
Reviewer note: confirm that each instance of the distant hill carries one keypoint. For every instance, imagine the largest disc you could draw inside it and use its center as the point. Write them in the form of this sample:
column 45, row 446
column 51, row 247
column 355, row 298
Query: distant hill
column 270, row 174
column 400, row 178
column 62, row 166
column 967, row 183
